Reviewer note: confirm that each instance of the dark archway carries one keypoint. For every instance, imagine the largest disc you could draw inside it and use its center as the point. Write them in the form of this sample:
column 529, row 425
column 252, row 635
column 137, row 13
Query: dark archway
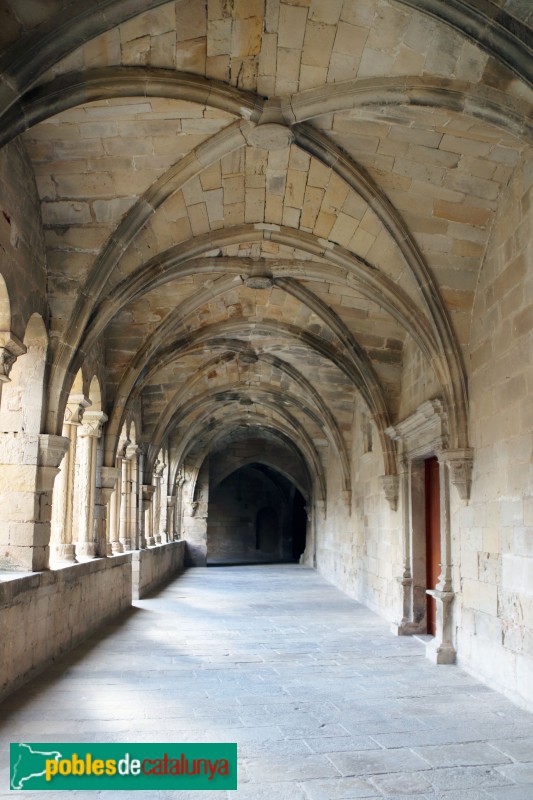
column 255, row 515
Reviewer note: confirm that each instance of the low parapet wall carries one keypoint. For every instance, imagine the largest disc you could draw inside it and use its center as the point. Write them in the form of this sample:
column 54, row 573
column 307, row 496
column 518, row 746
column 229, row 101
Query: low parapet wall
column 45, row 614
column 153, row 567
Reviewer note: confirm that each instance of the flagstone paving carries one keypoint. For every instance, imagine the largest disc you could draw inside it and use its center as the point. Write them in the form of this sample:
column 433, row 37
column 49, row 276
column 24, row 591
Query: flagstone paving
column 323, row 701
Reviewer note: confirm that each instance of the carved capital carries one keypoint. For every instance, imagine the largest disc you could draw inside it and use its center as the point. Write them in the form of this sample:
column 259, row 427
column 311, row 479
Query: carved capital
column 7, row 359
column 77, row 403
column 92, row 424
column 51, row 450
column 10, row 349
column 159, row 468
column 460, row 464
column 131, row 451
column 50, row 454
column 108, row 478
column 122, row 447
column 147, row 493
column 391, row 485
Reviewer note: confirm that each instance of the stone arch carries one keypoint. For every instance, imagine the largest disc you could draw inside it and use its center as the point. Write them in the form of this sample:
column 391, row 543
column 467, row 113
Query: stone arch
column 274, row 399
column 260, row 459
column 303, row 446
column 105, row 83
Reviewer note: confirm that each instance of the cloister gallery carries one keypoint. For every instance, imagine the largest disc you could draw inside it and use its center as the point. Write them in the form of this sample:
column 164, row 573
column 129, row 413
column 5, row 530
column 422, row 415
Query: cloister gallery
column 266, row 295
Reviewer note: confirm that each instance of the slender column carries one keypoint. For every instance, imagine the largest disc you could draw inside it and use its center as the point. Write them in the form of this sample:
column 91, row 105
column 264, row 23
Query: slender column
column 88, row 435
column 61, row 541
column 156, row 503
column 442, row 649
column 125, row 493
column 171, row 508
column 406, row 625
column 128, row 501
column 140, row 536
column 132, row 454
column 148, row 493
column 105, row 492
column 163, row 517
column 116, row 532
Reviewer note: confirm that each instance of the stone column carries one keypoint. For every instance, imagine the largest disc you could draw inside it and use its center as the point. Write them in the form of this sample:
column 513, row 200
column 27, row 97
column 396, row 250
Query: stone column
column 148, row 493
column 124, row 503
column 159, row 468
column 441, row 649
column 115, row 505
column 61, row 541
column 171, row 518
column 405, row 626
column 128, row 500
column 178, row 511
column 88, row 435
column 140, row 537
column 106, row 490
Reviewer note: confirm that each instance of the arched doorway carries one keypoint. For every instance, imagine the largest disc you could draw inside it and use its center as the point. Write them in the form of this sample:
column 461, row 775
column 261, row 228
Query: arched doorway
column 255, row 515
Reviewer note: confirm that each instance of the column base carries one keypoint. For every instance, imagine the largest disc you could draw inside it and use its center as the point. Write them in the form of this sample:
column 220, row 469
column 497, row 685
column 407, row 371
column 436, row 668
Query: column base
column 407, row 628
column 85, row 551
column 63, row 554
column 440, row 653
column 116, row 548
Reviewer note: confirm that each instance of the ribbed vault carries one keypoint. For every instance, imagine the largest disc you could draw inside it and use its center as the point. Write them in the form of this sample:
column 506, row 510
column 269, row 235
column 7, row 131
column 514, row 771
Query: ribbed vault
column 261, row 216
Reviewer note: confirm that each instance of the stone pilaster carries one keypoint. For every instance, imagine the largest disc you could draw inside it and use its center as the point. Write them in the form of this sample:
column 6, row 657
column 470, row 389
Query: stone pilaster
column 28, row 467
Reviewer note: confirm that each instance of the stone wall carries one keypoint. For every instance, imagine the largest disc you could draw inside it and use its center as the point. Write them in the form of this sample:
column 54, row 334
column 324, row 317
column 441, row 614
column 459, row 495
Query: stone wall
column 46, row 614
column 358, row 546
column 155, row 566
column 494, row 544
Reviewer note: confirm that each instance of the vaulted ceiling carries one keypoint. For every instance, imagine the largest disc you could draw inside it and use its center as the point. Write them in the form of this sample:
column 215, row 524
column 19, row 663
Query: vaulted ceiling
column 260, row 210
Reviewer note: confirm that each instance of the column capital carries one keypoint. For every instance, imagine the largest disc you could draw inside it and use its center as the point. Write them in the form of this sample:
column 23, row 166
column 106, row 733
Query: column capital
column 159, row 468
column 108, row 481
column 460, row 465
column 147, row 492
column 131, row 451
column 51, row 450
column 75, row 408
column 10, row 349
column 391, row 485
column 92, row 424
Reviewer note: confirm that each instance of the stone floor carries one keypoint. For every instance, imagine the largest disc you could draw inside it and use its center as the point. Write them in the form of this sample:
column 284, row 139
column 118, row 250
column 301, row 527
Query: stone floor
column 324, row 702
